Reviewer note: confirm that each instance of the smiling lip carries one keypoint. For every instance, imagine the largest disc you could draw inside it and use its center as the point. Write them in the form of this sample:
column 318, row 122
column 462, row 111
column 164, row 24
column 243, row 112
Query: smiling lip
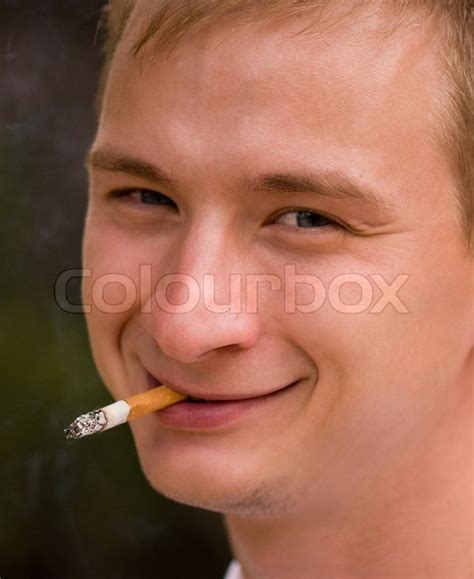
column 153, row 382
column 215, row 413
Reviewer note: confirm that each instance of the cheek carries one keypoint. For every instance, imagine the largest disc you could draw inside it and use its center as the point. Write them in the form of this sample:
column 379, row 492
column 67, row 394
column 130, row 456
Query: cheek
column 107, row 250
column 361, row 358
column 113, row 261
column 384, row 373
column 110, row 293
column 108, row 282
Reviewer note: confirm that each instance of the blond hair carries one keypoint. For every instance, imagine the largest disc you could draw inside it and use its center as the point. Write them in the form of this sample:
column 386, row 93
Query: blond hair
column 169, row 21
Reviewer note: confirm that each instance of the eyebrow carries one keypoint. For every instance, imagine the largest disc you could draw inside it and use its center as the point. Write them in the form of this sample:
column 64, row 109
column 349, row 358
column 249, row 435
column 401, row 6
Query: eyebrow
column 330, row 184
column 107, row 159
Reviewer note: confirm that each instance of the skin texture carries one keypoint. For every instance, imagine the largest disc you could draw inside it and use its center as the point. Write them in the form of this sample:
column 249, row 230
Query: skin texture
column 358, row 459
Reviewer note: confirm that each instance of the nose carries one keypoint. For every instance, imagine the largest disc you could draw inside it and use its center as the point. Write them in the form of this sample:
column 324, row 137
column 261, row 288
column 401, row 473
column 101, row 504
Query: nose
column 201, row 310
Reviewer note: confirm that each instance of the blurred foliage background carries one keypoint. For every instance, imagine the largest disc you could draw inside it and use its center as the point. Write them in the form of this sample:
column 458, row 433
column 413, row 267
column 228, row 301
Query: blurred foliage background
column 80, row 510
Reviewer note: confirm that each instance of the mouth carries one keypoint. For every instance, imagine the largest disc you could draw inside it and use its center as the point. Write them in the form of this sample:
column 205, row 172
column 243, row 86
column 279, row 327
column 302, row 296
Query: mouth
column 197, row 397
column 210, row 411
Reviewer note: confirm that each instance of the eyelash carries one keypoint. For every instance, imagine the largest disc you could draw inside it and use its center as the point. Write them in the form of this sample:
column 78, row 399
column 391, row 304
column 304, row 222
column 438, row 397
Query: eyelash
column 127, row 194
column 332, row 224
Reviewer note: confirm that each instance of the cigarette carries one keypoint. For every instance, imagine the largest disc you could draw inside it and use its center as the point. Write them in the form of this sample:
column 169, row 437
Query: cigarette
column 122, row 411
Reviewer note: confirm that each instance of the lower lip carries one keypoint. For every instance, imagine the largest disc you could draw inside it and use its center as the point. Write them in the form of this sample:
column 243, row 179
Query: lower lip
column 211, row 415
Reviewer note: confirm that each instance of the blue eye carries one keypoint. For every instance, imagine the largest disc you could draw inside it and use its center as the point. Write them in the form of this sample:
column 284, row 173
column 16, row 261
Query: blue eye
column 142, row 197
column 153, row 198
column 304, row 219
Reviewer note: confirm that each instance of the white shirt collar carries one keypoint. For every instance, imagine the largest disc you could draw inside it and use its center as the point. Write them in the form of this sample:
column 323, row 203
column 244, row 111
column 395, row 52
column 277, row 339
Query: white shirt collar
column 234, row 571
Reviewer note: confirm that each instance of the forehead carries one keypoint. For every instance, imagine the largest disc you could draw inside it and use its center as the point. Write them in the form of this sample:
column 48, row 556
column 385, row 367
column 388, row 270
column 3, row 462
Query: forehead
column 352, row 65
column 233, row 91
column 338, row 53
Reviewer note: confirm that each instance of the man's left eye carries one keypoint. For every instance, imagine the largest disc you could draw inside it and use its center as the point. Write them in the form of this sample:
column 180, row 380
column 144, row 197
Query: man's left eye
column 304, row 219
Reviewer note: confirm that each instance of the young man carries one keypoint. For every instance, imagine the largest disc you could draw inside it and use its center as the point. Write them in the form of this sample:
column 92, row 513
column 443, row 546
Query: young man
column 285, row 188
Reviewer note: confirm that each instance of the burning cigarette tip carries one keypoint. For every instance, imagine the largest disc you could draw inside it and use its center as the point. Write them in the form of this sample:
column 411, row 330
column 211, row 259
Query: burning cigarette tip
column 86, row 424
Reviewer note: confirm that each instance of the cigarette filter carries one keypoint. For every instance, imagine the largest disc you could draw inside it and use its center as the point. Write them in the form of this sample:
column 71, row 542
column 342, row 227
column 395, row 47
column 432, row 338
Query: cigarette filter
column 122, row 411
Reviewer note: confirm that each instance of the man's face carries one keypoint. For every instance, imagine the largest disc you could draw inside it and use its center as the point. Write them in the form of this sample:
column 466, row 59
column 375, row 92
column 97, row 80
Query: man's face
column 349, row 110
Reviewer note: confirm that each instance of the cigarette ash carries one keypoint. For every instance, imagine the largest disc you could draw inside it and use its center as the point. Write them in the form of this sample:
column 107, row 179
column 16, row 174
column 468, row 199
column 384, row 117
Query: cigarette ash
column 86, row 424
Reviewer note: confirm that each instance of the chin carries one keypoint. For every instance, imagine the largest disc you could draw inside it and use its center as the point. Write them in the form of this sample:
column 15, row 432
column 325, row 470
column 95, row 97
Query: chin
column 195, row 483
column 230, row 498
column 210, row 499
column 226, row 474
column 213, row 481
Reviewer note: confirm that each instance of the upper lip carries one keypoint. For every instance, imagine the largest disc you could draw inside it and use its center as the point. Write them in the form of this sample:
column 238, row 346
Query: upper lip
column 195, row 393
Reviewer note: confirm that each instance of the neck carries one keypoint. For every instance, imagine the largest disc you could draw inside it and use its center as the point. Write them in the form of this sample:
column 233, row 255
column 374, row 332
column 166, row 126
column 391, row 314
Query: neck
column 414, row 523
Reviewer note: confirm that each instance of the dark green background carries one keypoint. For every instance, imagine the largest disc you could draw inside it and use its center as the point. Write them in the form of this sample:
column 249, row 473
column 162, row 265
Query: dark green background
column 81, row 510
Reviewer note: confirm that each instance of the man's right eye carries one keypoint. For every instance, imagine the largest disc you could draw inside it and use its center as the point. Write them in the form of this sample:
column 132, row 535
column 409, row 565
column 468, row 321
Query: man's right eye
column 144, row 197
